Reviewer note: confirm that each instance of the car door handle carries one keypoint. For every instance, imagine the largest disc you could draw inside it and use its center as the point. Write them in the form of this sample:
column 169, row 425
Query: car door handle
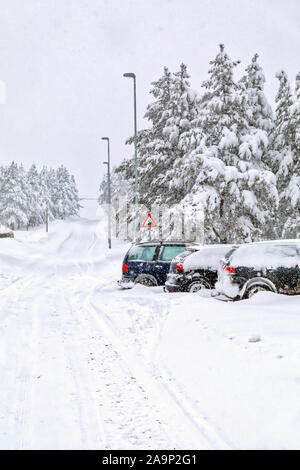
column 158, row 266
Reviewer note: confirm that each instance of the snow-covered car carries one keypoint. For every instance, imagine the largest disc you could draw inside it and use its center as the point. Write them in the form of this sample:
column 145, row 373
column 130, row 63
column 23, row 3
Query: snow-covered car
column 191, row 272
column 261, row 266
column 148, row 263
column 6, row 232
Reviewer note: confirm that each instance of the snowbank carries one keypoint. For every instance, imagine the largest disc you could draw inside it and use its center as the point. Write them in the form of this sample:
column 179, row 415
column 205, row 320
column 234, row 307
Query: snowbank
column 247, row 390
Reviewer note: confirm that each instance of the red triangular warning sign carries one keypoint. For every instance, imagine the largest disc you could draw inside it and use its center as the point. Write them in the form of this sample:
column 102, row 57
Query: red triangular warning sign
column 149, row 222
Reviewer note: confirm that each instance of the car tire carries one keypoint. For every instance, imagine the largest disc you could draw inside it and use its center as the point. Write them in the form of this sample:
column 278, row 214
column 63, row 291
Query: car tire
column 197, row 285
column 254, row 289
column 146, row 280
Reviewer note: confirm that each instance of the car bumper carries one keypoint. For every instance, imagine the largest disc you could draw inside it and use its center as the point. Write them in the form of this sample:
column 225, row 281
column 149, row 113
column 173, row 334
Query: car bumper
column 175, row 283
column 168, row 287
column 173, row 289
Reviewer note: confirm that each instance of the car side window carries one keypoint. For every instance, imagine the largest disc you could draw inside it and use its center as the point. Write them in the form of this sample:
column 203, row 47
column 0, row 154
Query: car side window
column 141, row 253
column 282, row 250
column 169, row 252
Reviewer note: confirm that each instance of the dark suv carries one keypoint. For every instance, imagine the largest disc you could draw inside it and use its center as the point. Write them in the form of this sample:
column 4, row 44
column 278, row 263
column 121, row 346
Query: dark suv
column 272, row 266
column 148, row 263
column 191, row 272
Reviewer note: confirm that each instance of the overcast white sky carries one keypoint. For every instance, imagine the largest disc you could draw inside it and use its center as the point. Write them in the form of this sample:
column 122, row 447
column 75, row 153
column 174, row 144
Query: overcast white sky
column 63, row 61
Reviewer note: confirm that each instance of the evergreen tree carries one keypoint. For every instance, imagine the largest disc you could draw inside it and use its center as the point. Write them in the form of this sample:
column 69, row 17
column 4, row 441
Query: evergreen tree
column 182, row 112
column 46, row 197
column 259, row 111
column 159, row 151
column 74, row 206
column 34, row 205
column 118, row 185
column 237, row 195
column 223, row 152
column 295, row 115
column 152, row 144
column 25, row 197
column 14, row 199
column 295, row 118
column 64, row 194
column 286, row 156
column 255, row 144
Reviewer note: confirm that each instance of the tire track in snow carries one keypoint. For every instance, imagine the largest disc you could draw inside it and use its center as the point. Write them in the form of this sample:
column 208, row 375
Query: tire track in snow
column 207, row 431
column 198, row 425
column 185, row 433
column 91, row 423
column 127, row 414
column 19, row 375
column 27, row 420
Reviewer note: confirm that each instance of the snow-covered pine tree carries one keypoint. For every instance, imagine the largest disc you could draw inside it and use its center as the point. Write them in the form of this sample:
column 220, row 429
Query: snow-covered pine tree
column 14, row 200
column 34, row 206
column 46, row 194
column 256, row 143
column 152, row 145
column 258, row 113
column 283, row 131
column 183, row 108
column 236, row 193
column 75, row 206
column 65, row 194
column 286, row 157
column 160, row 147
column 25, row 197
column 295, row 115
column 118, row 185
column 160, row 154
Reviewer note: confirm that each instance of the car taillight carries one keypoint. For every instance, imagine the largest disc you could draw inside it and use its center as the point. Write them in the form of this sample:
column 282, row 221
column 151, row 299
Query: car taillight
column 179, row 267
column 125, row 268
column 229, row 269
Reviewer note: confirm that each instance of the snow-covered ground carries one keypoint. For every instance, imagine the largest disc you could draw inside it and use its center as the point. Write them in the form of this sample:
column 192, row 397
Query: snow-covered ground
column 85, row 365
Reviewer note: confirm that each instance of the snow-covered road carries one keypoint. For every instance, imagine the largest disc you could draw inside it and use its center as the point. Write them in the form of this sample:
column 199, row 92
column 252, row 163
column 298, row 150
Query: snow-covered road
column 85, row 365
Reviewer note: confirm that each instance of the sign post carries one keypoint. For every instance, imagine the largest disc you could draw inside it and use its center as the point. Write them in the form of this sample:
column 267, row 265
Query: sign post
column 149, row 223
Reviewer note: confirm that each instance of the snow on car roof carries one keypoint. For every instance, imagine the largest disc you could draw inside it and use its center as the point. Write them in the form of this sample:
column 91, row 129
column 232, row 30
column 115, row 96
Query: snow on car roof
column 165, row 242
column 206, row 256
column 280, row 253
column 283, row 242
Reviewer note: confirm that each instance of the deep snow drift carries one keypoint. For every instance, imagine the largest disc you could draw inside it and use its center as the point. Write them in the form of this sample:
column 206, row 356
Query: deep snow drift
column 86, row 365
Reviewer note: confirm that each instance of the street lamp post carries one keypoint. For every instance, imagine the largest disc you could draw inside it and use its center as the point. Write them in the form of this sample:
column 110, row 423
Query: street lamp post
column 132, row 75
column 108, row 191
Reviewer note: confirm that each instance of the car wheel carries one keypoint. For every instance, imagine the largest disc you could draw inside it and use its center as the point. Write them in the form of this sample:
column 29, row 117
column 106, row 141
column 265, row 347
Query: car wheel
column 145, row 280
column 254, row 289
column 198, row 285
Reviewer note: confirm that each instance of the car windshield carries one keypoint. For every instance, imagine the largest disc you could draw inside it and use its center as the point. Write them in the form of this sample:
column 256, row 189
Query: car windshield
column 142, row 253
column 169, row 252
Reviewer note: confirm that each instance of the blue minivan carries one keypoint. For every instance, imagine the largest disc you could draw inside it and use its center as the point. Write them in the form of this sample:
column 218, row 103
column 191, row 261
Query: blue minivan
column 148, row 263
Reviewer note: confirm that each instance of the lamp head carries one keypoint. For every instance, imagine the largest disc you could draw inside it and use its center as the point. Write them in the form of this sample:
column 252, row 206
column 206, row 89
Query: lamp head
column 131, row 75
column 105, row 138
